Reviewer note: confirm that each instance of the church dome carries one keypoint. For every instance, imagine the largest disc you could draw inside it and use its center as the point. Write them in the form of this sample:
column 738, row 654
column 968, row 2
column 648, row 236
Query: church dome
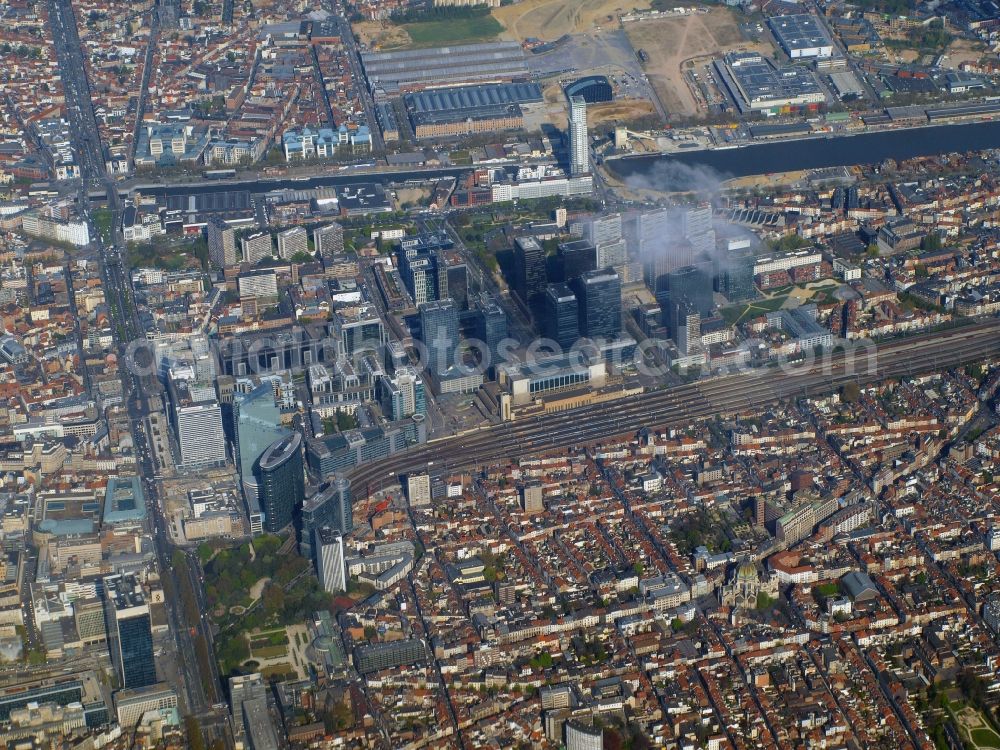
column 747, row 571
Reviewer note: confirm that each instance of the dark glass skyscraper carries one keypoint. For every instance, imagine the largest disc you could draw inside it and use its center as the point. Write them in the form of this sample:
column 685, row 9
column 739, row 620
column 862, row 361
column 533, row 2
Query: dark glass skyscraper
column 256, row 425
column 530, row 276
column 439, row 332
column 562, row 316
column 736, row 273
column 281, row 481
column 693, row 284
column 599, row 300
column 576, row 258
column 330, row 507
column 130, row 630
column 491, row 325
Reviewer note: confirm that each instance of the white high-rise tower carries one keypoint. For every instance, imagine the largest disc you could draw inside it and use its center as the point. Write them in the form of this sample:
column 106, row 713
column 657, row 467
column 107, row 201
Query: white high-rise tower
column 579, row 154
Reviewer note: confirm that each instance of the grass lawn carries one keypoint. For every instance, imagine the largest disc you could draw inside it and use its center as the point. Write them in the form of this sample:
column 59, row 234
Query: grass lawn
column 102, row 220
column 739, row 313
column 278, row 670
column 268, row 652
column 269, row 638
column 984, row 738
column 453, row 31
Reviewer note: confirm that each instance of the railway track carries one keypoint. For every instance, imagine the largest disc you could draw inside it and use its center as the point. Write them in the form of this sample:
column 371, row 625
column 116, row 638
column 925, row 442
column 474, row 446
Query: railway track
column 590, row 424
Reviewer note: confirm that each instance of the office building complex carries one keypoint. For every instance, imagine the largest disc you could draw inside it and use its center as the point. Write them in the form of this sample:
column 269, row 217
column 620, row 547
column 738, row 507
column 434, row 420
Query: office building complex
column 418, row 489
column 561, row 321
column 60, row 691
column 132, row 703
column 256, row 247
column 576, row 258
column 197, row 423
column 652, row 230
column 439, row 333
column 579, row 146
column 403, row 394
column 334, row 453
column 491, row 326
column 252, row 723
column 377, row 656
column 736, row 270
column 423, row 266
column 420, row 275
column 669, row 239
column 90, row 621
column 599, row 301
column 259, row 727
column 329, row 508
column 281, row 481
column 221, row 242
column 256, row 426
column 259, row 284
column 613, row 254
column 357, row 330
column 130, row 628
column 532, row 498
column 330, row 560
column 292, row 242
column 457, row 276
column 699, row 230
column 693, row 284
column 328, row 240
column 602, row 229
column 581, row 736
column 685, row 326
column 530, row 276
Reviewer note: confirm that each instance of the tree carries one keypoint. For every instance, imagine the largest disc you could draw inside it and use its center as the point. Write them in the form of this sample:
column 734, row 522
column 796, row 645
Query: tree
column 931, row 242
column 273, row 598
column 194, row 736
column 204, row 552
column 850, row 392
column 542, row 661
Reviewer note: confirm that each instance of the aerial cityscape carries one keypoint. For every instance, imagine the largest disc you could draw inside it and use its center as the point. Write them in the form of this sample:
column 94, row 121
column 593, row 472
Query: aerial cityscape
column 501, row 374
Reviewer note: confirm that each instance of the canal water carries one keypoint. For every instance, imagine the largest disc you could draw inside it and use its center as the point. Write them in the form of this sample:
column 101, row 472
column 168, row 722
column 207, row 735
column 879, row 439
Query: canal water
column 807, row 153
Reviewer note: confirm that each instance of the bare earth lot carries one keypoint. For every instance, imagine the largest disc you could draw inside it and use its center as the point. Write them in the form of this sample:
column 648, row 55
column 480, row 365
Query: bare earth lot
column 550, row 19
column 598, row 115
column 381, row 34
column 963, row 50
column 673, row 44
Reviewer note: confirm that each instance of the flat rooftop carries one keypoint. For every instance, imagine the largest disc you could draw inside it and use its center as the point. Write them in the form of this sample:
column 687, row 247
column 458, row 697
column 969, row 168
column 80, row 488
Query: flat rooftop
column 464, row 98
column 492, row 61
column 124, row 592
column 799, row 31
